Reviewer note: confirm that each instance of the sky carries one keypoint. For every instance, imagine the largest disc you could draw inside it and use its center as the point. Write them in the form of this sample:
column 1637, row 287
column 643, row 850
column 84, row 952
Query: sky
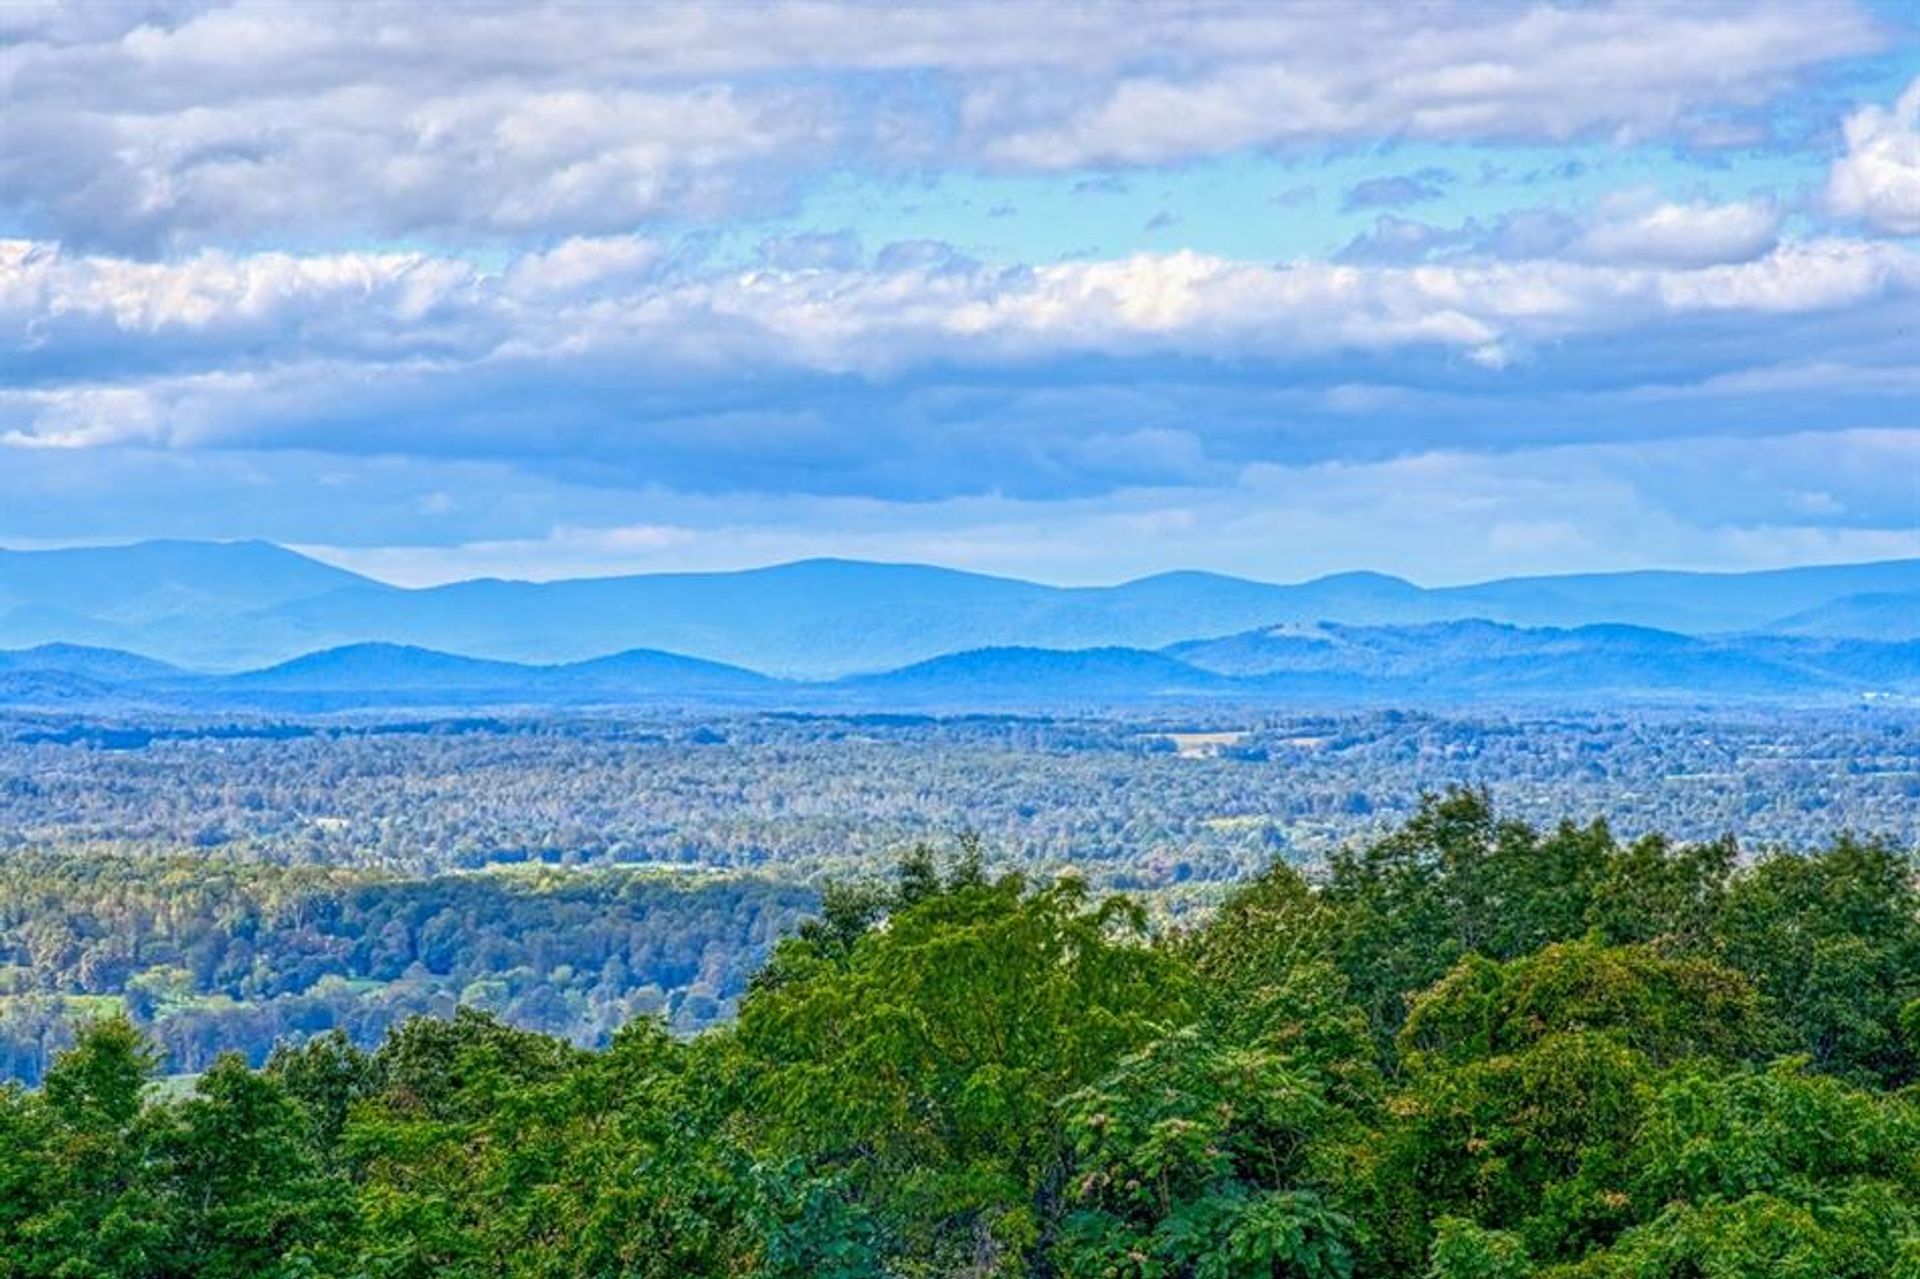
column 1068, row 292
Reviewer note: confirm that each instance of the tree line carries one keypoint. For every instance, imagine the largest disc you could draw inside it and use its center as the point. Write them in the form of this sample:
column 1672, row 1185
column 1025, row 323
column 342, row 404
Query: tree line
column 803, row 796
column 1473, row 1050
column 212, row 955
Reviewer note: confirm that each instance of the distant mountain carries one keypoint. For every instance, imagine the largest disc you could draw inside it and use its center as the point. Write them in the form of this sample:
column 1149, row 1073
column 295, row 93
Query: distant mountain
column 247, row 605
column 643, row 671
column 1037, row 677
column 1693, row 603
column 1317, row 664
column 1478, row 660
column 1875, row 665
column 384, row 668
column 106, row 664
column 1390, row 652
column 366, row 676
column 42, row 689
column 375, row 675
column 816, row 617
column 148, row 582
column 1891, row 615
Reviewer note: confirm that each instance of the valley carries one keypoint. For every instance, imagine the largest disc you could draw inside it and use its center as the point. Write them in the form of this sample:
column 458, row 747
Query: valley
column 237, row 881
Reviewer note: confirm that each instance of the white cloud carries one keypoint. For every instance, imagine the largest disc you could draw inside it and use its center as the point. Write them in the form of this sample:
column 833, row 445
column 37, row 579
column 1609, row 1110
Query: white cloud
column 1483, row 72
column 582, row 264
column 1632, row 228
column 600, row 361
column 185, row 330
column 1434, row 513
column 85, row 418
column 1642, row 232
column 1878, row 180
column 147, row 129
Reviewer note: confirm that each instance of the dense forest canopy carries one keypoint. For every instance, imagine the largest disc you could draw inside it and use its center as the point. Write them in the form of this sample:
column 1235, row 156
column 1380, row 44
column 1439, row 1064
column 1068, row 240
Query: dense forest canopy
column 1473, row 1050
column 213, row 955
column 1131, row 802
column 230, row 883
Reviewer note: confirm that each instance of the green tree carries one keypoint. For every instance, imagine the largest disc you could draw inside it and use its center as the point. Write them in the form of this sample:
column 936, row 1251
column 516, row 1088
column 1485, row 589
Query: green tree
column 920, row 1067
column 1834, row 939
column 1196, row 1159
column 1463, row 1250
column 1527, row 1082
column 1456, row 880
column 326, row 1075
column 247, row 1192
column 93, row 1207
column 1656, row 892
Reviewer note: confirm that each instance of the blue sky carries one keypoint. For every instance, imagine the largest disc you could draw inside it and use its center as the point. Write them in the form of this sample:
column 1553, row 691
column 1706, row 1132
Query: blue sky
column 1073, row 292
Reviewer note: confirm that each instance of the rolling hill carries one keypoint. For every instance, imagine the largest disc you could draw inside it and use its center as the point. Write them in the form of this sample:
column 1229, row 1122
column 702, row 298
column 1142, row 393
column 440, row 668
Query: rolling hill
column 1039, row 678
column 1475, row 660
column 107, row 664
column 239, row 606
column 1888, row 615
column 148, row 581
column 1319, row 664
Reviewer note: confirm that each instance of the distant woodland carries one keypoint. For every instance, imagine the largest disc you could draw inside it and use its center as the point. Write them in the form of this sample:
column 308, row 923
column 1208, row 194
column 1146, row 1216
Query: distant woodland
column 217, row 956
column 1470, row 1048
column 1145, row 802
column 231, row 885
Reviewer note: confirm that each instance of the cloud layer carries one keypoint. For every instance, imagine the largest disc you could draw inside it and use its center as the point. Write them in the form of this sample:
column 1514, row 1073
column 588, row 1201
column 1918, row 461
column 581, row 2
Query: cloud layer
column 515, row 287
column 139, row 128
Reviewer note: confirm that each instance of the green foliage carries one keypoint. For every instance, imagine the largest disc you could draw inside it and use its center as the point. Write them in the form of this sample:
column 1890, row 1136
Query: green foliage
column 1456, row 881
column 1664, row 1009
column 1463, row 1250
column 1193, row 1157
column 97, row 1207
column 920, row 1063
column 247, row 1194
column 213, row 956
column 1834, row 939
column 1476, row 1052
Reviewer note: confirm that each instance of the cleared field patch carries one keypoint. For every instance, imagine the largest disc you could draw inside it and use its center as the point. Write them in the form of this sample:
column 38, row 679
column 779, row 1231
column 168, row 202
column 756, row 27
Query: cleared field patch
column 1204, row 745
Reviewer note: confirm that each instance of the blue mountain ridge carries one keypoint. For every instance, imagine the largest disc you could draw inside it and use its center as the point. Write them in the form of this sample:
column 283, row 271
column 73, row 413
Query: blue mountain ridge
column 1317, row 664
column 240, row 606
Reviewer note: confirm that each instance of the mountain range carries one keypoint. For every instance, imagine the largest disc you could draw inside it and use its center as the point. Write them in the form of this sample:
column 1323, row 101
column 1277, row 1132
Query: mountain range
column 1323, row 664
column 216, row 607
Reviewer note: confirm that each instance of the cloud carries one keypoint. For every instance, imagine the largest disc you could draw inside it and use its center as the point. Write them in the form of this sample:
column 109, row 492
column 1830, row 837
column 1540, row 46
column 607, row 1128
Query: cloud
column 1878, row 180
column 1436, row 516
column 1396, row 191
column 1393, row 240
column 149, row 129
column 1641, row 231
column 920, row 375
column 1628, row 229
column 814, row 305
column 1449, row 72
column 556, row 289
column 811, row 251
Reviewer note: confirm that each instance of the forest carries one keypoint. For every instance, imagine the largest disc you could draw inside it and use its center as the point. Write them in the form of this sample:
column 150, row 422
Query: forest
column 1115, row 797
column 212, row 955
column 1472, row 1048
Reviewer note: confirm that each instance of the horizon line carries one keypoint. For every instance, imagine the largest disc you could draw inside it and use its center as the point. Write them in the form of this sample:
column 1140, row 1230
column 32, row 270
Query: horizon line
column 321, row 554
